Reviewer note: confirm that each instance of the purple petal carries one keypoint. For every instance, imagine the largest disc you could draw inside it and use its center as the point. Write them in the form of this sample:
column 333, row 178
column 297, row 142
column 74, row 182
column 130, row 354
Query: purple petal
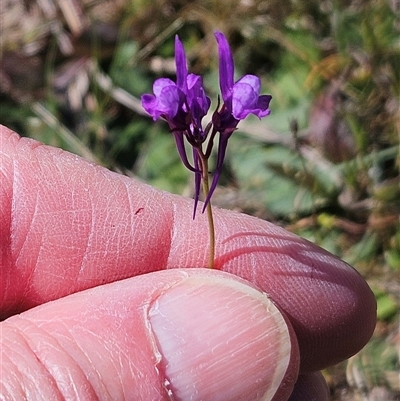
column 166, row 102
column 160, row 84
column 199, row 103
column 244, row 100
column 181, row 66
column 170, row 100
column 251, row 80
column 149, row 104
column 261, row 109
column 226, row 68
column 194, row 81
column 263, row 103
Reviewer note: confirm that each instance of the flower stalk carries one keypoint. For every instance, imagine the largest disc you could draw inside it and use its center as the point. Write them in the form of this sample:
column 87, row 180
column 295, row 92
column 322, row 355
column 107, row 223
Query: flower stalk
column 206, row 191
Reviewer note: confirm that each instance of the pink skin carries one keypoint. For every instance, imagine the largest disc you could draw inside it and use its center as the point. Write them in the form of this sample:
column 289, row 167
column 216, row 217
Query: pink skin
column 67, row 225
column 100, row 343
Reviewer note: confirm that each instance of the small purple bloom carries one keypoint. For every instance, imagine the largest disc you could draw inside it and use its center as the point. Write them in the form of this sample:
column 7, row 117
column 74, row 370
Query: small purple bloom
column 183, row 105
column 240, row 99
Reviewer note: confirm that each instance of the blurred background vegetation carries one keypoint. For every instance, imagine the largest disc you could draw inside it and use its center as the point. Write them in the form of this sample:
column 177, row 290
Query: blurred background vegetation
column 325, row 164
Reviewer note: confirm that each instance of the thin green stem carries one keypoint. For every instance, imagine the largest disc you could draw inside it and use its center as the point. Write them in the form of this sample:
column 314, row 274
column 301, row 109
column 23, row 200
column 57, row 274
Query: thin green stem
column 211, row 229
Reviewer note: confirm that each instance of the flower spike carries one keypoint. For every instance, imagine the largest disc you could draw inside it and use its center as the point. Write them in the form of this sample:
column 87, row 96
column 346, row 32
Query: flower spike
column 184, row 104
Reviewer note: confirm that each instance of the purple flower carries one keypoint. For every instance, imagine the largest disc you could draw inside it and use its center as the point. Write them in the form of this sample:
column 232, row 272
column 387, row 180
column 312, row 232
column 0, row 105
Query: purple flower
column 183, row 105
column 240, row 99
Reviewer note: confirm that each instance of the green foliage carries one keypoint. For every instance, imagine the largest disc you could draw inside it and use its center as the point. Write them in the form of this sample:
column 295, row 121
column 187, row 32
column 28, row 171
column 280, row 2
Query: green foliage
column 159, row 163
column 288, row 184
column 376, row 365
column 387, row 306
column 134, row 80
column 392, row 254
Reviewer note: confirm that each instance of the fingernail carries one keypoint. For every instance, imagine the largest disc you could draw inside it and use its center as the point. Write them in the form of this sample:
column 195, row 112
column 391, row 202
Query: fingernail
column 219, row 339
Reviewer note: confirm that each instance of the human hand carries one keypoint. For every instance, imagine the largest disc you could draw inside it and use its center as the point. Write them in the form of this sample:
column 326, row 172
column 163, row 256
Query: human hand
column 67, row 226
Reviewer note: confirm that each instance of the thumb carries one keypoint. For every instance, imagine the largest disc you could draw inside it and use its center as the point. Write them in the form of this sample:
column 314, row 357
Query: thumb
column 179, row 334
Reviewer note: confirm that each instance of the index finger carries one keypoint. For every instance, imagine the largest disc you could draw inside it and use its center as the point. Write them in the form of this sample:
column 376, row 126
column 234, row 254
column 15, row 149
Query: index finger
column 67, row 225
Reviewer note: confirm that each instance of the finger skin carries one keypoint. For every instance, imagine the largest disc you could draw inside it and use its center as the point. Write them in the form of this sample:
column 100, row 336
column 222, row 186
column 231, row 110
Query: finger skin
column 106, row 343
column 62, row 218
